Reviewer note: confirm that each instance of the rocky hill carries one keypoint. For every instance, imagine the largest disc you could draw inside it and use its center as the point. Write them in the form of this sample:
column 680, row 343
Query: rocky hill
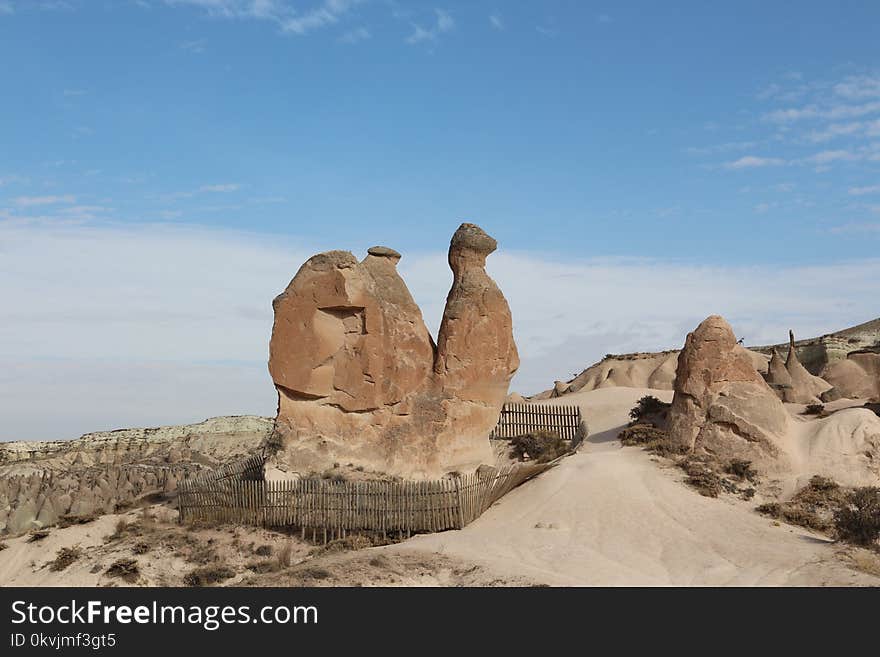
column 44, row 482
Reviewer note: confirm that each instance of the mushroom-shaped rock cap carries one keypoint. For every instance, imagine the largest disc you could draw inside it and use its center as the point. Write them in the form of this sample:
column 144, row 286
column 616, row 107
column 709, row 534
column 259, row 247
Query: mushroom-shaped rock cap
column 384, row 252
column 473, row 238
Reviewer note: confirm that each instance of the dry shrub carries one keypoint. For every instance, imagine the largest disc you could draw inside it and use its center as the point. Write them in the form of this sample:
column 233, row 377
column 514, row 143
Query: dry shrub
column 65, row 557
column 812, row 507
column 649, row 410
column 264, row 566
column 141, row 547
column 857, row 520
column 68, row 520
column 814, row 409
column 37, row 535
column 285, row 556
column 641, row 434
column 3, row 546
column 263, row 551
column 202, row 554
column 313, row 572
column 351, row 542
column 741, row 469
column 126, row 569
column 703, row 477
column 540, row 446
column 208, row 575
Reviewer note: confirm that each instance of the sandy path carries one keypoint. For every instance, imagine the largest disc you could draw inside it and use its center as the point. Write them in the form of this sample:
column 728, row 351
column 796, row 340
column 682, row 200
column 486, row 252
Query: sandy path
column 611, row 516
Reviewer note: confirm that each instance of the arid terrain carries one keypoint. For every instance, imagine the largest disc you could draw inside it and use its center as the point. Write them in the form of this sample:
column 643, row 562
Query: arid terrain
column 607, row 515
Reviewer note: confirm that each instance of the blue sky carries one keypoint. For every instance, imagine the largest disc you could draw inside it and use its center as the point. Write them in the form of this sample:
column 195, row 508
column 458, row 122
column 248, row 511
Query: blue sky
column 737, row 144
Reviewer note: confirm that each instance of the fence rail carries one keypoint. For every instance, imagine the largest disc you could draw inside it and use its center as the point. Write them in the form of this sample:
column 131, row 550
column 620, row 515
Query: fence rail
column 332, row 509
column 520, row 419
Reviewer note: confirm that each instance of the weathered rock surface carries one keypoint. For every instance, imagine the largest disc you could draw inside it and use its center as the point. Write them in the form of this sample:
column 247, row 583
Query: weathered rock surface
column 639, row 370
column 99, row 472
column 857, row 377
column 722, row 406
column 361, row 382
column 805, row 387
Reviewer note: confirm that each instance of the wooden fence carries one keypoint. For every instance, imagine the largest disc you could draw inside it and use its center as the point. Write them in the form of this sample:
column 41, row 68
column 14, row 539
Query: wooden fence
column 330, row 509
column 520, row 419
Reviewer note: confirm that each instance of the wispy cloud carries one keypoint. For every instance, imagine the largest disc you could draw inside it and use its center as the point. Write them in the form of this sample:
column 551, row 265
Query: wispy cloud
column 753, row 162
column 604, row 18
column 289, row 19
column 327, row 13
column 196, row 46
column 6, row 8
column 857, row 87
column 443, row 23
column 228, row 187
column 29, row 201
column 496, row 22
column 861, row 191
column 355, row 36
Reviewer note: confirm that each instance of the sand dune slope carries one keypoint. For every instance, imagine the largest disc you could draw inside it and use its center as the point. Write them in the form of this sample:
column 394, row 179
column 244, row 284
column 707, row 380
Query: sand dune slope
column 611, row 516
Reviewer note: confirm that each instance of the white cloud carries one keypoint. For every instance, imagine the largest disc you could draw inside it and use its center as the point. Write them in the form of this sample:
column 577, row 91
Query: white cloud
column 443, row 23
column 859, row 191
column 858, row 87
column 753, row 161
column 228, row 187
column 154, row 324
column 289, row 18
column 496, row 22
column 6, row 7
column 836, row 130
column 326, row 14
column 356, row 35
column 28, row 201
column 197, row 46
column 833, row 112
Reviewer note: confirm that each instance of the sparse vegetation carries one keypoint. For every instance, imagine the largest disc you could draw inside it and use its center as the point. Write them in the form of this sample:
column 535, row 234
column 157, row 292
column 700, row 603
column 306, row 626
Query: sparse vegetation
column 741, row 469
column 540, row 446
column 814, row 409
column 349, row 543
column 812, row 507
column 208, row 575
column 284, row 557
column 263, row 551
column 3, row 546
column 141, row 547
column 37, row 535
column 125, row 569
column 69, row 520
column 65, row 557
column 703, row 477
column 264, row 566
column 857, row 520
column 649, row 409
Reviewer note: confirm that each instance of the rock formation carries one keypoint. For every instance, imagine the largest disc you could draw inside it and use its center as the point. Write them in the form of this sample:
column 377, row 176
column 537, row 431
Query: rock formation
column 722, row 405
column 360, row 380
column 857, row 377
column 778, row 377
column 40, row 482
column 805, row 387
